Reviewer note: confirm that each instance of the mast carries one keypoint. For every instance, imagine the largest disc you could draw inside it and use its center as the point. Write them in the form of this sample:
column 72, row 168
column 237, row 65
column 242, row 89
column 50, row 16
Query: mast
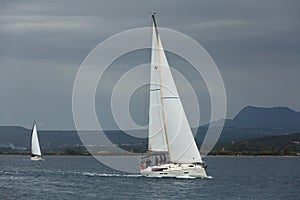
column 154, row 23
column 160, row 83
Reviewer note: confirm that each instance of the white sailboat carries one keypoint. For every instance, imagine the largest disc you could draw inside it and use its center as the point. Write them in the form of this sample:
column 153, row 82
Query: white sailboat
column 169, row 130
column 36, row 153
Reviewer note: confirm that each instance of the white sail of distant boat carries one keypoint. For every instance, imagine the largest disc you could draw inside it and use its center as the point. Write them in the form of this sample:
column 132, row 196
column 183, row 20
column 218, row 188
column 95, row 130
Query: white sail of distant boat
column 36, row 153
column 169, row 130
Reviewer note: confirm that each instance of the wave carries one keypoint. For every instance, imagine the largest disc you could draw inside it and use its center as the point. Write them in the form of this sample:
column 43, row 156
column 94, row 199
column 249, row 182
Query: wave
column 9, row 172
column 111, row 175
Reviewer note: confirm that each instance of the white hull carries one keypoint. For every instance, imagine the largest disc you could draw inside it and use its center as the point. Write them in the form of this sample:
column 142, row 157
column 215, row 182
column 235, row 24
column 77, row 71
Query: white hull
column 175, row 171
column 36, row 158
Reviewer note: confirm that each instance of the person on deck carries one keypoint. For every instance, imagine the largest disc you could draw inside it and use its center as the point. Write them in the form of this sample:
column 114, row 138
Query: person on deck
column 165, row 158
column 156, row 160
column 161, row 159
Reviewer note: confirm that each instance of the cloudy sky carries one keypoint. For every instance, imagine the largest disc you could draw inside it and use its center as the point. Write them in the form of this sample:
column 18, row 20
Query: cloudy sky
column 255, row 44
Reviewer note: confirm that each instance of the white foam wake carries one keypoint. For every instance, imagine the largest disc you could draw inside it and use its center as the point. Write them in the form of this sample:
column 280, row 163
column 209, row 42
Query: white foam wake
column 185, row 177
column 111, row 175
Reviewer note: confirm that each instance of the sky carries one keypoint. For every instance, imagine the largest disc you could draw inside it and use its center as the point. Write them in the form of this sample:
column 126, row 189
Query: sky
column 255, row 44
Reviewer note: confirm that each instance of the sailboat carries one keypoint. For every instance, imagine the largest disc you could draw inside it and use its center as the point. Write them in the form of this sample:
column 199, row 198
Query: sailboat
column 36, row 154
column 169, row 130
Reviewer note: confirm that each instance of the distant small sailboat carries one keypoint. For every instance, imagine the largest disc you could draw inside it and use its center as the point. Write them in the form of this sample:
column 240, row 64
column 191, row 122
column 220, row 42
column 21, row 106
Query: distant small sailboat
column 36, row 154
column 169, row 130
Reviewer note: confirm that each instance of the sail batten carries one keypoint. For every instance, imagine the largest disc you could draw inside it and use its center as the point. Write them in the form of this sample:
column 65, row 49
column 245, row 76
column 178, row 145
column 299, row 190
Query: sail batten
column 175, row 134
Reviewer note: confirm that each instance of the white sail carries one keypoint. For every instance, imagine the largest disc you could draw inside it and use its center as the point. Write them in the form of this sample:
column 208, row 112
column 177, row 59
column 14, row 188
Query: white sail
column 157, row 138
column 179, row 138
column 35, row 146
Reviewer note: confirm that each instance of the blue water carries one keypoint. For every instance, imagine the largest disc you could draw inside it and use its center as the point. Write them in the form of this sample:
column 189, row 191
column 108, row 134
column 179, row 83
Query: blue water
column 66, row 177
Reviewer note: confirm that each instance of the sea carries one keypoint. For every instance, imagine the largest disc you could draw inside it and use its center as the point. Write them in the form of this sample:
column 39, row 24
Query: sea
column 84, row 177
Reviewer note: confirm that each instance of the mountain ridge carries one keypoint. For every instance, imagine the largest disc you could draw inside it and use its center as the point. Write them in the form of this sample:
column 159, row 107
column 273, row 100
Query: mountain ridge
column 236, row 129
column 262, row 117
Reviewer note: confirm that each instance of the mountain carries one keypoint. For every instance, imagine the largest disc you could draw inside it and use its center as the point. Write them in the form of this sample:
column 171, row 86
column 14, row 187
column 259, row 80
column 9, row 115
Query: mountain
column 255, row 122
column 269, row 121
column 276, row 117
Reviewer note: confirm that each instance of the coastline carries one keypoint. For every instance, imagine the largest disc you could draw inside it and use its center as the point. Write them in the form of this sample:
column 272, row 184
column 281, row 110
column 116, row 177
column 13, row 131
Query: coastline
column 143, row 154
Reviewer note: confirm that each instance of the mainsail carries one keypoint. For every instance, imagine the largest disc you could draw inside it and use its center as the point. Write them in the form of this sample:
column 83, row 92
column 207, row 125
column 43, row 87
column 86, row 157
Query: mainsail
column 168, row 119
column 157, row 138
column 35, row 146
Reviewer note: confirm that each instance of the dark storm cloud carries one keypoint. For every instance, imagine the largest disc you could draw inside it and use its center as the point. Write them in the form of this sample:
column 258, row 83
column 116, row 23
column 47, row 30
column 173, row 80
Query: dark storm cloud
column 255, row 44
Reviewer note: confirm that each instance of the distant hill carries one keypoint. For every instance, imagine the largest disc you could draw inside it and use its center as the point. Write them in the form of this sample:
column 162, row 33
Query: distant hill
column 271, row 121
column 230, row 134
column 250, row 123
column 280, row 144
column 19, row 138
column 276, row 117
column 14, row 137
column 243, row 141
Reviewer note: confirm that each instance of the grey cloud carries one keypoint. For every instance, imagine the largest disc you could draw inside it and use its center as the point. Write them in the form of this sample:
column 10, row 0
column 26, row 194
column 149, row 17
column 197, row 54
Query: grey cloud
column 256, row 45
